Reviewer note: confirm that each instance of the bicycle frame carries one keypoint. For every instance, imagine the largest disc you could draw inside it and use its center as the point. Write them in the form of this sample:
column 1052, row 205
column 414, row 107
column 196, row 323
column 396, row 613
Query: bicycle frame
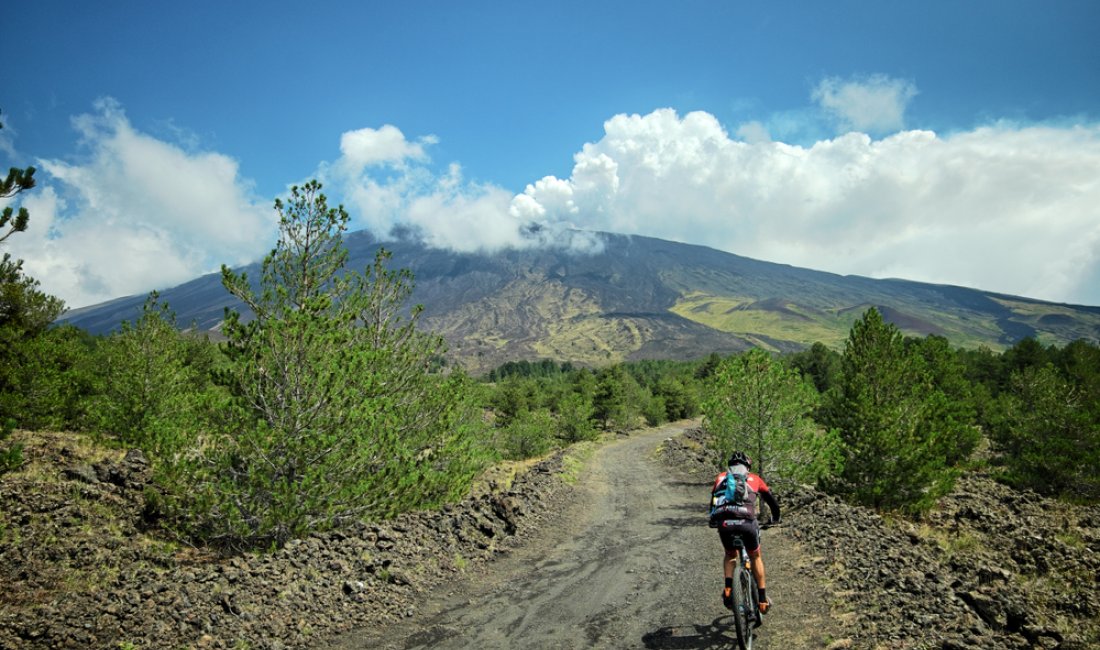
column 746, row 607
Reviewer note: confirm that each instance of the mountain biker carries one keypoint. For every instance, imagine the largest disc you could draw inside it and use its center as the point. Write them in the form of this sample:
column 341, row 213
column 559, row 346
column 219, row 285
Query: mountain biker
column 739, row 521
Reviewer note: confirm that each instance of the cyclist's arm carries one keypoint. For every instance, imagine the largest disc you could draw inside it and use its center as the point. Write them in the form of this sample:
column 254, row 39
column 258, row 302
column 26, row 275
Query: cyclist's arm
column 773, row 504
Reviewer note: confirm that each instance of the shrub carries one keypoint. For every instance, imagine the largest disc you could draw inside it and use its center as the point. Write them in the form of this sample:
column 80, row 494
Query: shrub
column 529, row 434
column 156, row 383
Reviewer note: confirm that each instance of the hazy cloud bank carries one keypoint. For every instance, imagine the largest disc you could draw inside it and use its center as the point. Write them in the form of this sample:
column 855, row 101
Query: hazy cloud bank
column 1005, row 207
column 135, row 213
column 389, row 186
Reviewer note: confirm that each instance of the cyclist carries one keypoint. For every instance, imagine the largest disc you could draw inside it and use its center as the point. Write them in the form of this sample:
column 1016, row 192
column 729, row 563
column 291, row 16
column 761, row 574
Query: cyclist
column 735, row 521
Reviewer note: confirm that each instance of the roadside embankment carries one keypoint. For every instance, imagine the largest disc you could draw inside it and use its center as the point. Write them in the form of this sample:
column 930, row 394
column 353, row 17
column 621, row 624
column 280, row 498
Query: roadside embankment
column 79, row 569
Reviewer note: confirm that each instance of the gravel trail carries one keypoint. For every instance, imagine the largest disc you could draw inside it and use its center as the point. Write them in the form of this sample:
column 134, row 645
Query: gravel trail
column 630, row 563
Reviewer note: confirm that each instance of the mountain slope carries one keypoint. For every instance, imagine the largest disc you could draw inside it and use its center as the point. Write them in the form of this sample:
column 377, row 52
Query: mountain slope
column 648, row 298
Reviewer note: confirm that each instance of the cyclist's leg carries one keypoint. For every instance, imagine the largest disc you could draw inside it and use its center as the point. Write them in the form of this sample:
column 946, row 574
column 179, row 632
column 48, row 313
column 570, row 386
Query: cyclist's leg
column 756, row 557
column 758, row 568
column 729, row 538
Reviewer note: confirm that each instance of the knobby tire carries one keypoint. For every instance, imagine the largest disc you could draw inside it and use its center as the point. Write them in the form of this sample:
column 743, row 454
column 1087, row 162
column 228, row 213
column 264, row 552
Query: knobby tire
column 744, row 604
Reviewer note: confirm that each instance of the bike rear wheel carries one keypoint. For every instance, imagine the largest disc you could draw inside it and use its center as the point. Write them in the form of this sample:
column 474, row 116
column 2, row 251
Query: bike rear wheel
column 744, row 604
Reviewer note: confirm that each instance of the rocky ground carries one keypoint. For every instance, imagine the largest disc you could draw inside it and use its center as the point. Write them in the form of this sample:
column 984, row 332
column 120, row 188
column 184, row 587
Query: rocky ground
column 989, row 568
column 79, row 571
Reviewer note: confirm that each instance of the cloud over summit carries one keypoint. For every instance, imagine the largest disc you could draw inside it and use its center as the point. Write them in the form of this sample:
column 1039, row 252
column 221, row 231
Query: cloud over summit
column 1005, row 207
column 443, row 209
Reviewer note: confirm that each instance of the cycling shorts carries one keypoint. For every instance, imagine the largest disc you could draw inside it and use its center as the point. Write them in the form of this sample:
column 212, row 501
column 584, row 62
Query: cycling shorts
column 747, row 530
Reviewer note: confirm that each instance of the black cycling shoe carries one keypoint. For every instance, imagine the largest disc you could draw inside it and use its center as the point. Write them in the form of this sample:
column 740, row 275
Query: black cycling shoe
column 727, row 598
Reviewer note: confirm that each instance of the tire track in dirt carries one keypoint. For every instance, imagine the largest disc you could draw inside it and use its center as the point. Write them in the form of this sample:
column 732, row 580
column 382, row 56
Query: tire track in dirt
column 630, row 563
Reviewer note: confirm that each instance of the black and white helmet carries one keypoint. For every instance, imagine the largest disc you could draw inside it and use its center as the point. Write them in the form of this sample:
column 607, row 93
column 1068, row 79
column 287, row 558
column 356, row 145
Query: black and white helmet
column 740, row 458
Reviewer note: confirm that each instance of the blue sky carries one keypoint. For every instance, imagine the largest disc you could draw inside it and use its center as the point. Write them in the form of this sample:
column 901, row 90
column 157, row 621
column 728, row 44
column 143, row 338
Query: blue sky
column 953, row 142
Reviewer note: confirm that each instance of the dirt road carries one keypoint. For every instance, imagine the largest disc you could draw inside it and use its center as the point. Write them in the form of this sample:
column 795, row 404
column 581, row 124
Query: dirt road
column 632, row 564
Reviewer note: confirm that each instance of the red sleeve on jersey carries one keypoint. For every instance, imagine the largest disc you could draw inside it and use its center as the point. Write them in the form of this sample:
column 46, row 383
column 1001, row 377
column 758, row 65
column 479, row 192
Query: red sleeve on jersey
column 757, row 483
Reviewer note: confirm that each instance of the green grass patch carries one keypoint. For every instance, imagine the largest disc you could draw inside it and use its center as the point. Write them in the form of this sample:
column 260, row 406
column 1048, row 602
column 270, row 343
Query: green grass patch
column 1057, row 324
column 574, row 461
column 1071, row 539
column 952, row 544
column 736, row 315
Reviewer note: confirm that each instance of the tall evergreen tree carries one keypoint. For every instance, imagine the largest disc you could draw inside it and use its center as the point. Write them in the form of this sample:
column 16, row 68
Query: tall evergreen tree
column 956, row 413
column 26, row 364
column 335, row 415
column 899, row 430
column 819, row 363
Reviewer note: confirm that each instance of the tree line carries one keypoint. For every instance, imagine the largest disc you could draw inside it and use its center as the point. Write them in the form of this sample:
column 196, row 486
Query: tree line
column 891, row 421
column 326, row 404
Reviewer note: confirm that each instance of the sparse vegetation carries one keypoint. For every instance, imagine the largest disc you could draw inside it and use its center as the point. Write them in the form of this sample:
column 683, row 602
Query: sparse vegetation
column 574, row 461
column 11, row 453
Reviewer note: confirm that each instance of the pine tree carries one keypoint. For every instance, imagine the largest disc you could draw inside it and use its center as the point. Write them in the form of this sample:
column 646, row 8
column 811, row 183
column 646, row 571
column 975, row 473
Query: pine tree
column 900, row 432
column 957, row 412
column 17, row 180
column 1047, row 426
column 156, row 382
column 25, row 313
column 617, row 398
column 819, row 363
column 335, row 415
column 762, row 408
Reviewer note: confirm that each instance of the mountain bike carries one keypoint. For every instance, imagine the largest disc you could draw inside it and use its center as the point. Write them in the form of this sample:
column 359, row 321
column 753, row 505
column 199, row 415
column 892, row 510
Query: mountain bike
column 746, row 605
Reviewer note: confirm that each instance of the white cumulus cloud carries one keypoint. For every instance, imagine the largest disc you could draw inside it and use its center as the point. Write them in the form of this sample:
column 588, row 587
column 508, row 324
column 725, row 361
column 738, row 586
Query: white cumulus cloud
column 1004, row 207
column 135, row 213
column 875, row 104
column 384, row 145
column 390, row 189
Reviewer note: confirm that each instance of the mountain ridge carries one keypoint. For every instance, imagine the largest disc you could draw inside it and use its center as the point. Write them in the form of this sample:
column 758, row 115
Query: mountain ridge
column 642, row 297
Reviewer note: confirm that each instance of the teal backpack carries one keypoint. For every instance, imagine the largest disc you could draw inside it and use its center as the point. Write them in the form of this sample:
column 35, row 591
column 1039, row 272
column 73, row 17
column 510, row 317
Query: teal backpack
column 732, row 498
